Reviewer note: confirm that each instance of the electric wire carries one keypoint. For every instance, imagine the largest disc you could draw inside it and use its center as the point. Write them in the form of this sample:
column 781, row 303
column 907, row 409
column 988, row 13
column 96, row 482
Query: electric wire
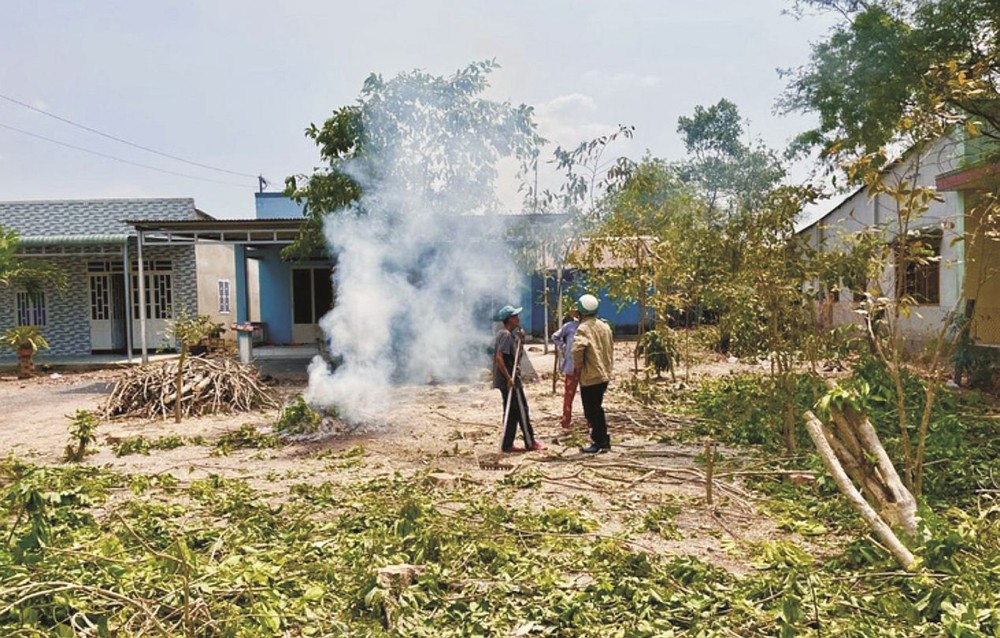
column 120, row 140
column 119, row 159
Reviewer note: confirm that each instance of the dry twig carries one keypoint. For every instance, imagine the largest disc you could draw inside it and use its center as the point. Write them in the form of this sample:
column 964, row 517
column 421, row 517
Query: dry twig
column 210, row 385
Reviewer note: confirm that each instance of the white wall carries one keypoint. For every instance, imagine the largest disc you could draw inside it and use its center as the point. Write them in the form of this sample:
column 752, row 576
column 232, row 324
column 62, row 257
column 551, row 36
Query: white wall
column 861, row 211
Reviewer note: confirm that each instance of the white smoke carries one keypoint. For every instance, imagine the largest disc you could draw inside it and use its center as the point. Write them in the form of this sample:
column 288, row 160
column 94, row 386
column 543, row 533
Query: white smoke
column 420, row 260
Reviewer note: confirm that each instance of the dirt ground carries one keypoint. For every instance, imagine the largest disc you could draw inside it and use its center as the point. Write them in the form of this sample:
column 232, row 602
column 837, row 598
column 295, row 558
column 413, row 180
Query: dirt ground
column 453, row 430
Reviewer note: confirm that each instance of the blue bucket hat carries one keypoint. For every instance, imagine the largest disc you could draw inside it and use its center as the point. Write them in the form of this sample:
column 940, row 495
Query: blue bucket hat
column 507, row 311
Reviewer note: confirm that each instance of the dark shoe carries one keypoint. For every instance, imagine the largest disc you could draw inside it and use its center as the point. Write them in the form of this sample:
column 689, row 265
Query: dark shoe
column 513, row 449
column 594, row 448
column 536, row 447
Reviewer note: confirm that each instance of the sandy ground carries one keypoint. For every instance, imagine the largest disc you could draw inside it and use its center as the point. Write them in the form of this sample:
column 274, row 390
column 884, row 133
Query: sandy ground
column 451, row 429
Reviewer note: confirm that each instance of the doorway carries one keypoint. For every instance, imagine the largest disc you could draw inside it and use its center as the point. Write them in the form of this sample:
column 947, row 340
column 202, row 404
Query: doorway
column 312, row 297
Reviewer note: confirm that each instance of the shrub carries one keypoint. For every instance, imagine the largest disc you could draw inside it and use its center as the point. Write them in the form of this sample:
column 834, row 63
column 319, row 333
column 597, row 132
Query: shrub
column 748, row 409
column 659, row 349
column 82, row 433
column 298, row 418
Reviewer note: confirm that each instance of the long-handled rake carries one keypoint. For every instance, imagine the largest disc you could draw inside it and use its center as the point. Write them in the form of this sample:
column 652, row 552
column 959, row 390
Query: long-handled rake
column 513, row 379
column 529, row 439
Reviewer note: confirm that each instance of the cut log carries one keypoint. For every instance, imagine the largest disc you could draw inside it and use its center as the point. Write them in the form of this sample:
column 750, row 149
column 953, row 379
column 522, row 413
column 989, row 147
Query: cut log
column 862, row 473
column 905, row 505
column 397, row 577
column 882, row 530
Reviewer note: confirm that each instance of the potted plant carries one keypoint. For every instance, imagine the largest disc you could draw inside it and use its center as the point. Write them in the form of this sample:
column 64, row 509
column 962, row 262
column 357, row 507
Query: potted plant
column 25, row 341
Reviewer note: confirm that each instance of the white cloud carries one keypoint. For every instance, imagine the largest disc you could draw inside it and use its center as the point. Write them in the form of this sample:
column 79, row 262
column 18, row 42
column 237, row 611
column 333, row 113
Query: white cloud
column 567, row 120
column 572, row 104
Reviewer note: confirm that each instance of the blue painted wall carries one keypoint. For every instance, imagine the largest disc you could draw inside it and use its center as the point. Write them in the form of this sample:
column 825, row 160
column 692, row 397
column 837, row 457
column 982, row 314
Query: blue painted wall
column 624, row 320
column 276, row 206
column 275, row 294
column 275, row 274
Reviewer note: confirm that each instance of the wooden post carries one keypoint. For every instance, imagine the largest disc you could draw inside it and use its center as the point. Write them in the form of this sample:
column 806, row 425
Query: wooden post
column 709, row 468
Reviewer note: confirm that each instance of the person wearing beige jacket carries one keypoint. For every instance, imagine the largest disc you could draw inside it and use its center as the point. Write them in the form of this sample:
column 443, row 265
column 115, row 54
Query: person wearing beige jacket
column 593, row 350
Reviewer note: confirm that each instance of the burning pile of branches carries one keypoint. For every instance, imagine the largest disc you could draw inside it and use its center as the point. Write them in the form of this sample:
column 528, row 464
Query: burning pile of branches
column 208, row 386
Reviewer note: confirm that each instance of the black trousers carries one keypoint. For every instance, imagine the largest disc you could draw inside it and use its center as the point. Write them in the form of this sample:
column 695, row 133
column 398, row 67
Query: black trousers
column 593, row 408
column 518, row 414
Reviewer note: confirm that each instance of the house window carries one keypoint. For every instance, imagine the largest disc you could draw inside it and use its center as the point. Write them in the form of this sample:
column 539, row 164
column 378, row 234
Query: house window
column 224, row 296
column 922, row 276
column 31, row 309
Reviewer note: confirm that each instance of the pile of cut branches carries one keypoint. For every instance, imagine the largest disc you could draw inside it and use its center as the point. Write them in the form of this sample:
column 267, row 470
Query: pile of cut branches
column 210, row 385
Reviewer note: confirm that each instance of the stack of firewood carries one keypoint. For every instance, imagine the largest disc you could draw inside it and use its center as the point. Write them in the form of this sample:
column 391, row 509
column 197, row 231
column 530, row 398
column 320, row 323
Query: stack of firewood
column 209, row 386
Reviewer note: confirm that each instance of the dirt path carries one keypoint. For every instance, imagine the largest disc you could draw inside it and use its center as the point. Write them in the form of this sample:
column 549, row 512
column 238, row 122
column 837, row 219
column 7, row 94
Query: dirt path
column 34, row 413
column 450, row 430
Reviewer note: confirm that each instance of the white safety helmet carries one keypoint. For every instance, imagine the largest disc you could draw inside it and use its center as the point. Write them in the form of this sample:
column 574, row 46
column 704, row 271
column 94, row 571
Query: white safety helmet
column 587, row 305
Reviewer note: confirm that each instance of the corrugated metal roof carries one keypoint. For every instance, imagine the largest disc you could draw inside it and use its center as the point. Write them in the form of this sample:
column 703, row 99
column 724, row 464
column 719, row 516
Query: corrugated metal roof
column 89, row 217
column 67, row 240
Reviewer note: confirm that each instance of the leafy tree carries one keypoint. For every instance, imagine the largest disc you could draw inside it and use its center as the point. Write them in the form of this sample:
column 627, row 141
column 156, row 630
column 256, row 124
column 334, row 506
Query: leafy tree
column 640, row 235
column 30, row 274
column 735, row 180
column 768, row 309
column 731, row 174
column 588, row 177
column 902, row 73
column 889, row 57
column 34, row 276
column 427, row 135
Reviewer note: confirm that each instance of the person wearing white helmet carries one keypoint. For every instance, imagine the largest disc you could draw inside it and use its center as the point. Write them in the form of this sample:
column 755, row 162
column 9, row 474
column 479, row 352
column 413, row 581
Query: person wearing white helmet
column 508, row 352
column 593, row 350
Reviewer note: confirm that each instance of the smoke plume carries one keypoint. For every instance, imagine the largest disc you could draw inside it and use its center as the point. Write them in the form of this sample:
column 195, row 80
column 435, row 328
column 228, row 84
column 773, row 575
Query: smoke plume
column 420, row 259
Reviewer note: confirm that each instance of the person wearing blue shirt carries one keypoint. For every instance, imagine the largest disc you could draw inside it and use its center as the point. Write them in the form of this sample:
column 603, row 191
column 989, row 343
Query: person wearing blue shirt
column 563, row 339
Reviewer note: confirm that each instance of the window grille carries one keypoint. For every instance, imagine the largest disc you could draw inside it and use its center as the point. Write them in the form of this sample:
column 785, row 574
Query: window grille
column 31, row 309
column 224, row 296
column 100, row 298
column 159, row 291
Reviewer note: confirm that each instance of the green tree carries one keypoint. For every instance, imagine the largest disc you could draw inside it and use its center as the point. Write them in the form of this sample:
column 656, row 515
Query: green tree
column 903, row 73
column 25, row 341
column 740, row 257
column 735, row 180
column 887, row 58
column 32, row 275
column 639, row 239
column 588, row 176
column 188, row 330
column 431, row 137
column 731, row 175
column 769, row 310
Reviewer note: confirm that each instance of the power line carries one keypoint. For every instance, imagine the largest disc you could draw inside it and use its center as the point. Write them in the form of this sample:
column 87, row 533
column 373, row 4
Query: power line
column 118, row 159
column 120, row 140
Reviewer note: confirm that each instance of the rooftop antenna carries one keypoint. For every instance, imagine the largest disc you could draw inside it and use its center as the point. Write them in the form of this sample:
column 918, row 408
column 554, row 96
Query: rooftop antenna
column 263, row 183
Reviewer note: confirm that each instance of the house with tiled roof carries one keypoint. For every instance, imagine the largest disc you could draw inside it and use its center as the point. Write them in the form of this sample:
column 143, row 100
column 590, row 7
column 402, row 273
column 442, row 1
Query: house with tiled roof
column 98, row 248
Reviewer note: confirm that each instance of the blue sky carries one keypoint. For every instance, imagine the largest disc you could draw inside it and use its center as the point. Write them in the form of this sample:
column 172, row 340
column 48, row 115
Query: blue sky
column 233, row 84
